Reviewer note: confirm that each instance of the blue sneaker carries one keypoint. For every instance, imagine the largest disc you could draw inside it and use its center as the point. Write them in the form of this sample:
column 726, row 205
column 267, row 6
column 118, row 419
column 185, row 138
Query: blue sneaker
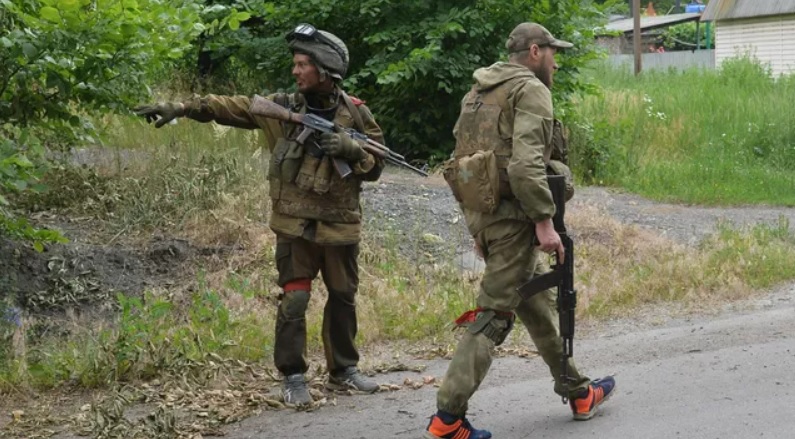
column 446, row 426
column 584, row 408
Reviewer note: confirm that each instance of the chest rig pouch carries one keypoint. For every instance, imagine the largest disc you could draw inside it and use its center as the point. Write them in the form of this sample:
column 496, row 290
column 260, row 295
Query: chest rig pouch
column 287, row 154
column 307, row 166
column 476, row 173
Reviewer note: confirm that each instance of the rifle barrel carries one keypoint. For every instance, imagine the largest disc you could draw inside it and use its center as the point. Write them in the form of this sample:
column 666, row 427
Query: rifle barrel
column 406, row 165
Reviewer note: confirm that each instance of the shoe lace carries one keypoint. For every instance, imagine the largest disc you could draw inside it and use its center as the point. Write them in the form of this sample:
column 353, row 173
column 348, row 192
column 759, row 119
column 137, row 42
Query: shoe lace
column 350, row 376
column 295, row 385
column 355, row 376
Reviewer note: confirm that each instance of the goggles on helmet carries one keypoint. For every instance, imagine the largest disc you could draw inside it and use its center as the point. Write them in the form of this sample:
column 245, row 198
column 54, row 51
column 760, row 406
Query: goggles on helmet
column 307, row 32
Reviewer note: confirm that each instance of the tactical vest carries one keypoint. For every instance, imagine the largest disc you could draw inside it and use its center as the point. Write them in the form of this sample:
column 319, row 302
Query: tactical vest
column 477, row 172
column 303, row 185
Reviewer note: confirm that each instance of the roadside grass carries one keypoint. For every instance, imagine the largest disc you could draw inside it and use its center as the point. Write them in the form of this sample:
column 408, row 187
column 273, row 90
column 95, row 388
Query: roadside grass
column 720, row 137
column 621, row 267
column 206, row 183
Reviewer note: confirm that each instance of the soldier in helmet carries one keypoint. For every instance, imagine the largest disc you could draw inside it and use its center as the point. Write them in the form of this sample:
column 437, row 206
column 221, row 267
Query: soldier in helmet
column 505, row 141
column 315, row 214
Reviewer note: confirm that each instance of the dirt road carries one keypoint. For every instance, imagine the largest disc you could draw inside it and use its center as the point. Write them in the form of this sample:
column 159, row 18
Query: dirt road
column 722, row 376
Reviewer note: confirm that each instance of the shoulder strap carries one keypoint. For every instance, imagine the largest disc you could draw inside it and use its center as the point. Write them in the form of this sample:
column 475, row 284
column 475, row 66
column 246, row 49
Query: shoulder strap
column 282, row 99
column 354, row 110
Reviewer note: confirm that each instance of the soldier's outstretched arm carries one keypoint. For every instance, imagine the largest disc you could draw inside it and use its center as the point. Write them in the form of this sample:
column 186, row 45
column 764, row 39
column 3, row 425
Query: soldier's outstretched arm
column 161, row 113
column 226, row 110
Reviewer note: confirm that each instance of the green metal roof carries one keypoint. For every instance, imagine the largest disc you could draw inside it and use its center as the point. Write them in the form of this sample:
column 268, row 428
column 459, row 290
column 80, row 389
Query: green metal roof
column 735, row 9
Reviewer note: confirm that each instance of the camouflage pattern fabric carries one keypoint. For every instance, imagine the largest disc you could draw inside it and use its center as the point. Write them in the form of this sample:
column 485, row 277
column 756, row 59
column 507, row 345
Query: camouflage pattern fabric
column 525, row 125
column 331, row 218
column 509, row 259
column 540, row 316
column 506, row 236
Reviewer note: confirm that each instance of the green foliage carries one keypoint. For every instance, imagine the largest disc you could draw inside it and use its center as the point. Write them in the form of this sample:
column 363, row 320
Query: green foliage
column 164, row 198
column 152, row 337
column 702, row 136
column 687, row 36
column 763, row 256
column 59, row 58
column 19, row 174
column 412, row 61
column 57, row 53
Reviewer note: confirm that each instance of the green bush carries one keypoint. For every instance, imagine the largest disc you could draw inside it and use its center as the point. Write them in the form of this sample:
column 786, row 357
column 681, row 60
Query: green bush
column 411, row 61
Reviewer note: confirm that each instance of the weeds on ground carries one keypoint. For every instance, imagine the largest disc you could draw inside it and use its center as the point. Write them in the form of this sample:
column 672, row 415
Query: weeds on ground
column 718, row 137
column 621, row 267
column 231, row 315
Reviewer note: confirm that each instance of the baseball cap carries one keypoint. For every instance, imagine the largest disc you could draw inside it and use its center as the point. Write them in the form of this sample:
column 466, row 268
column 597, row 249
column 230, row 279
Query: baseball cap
column 526, row 34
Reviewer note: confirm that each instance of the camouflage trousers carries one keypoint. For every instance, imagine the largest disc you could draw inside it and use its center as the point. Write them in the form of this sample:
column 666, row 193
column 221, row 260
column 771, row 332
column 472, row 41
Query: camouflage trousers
column 510, row 260
column 299, row 261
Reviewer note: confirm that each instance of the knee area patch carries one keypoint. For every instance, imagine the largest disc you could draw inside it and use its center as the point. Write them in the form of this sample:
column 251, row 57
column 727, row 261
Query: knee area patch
column 494, row 326
column 294, row 304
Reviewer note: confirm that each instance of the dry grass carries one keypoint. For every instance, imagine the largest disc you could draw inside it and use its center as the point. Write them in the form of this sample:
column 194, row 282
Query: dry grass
column 619, row 267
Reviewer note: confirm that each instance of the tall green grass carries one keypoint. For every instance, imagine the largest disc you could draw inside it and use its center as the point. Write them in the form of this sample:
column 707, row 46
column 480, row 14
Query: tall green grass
column 717, row 137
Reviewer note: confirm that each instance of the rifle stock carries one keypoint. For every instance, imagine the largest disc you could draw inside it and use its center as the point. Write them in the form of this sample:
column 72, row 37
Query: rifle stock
column 267, row 108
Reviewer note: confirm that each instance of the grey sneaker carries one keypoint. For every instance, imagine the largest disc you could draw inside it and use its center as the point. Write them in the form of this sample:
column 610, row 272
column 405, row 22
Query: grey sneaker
column 351, row 379
column 295, row 391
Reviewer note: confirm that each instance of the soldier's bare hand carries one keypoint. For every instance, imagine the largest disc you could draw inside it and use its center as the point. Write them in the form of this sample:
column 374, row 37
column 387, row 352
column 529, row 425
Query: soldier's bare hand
column 549, row 240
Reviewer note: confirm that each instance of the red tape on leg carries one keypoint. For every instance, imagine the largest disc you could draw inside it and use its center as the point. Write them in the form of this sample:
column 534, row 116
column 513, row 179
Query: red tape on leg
column 467, row 317
column 472, row 315
column 298, row 285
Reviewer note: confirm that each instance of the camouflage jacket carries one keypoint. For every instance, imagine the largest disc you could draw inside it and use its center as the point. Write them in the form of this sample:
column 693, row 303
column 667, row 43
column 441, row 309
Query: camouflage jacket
column 525, row 124
column 332, row 218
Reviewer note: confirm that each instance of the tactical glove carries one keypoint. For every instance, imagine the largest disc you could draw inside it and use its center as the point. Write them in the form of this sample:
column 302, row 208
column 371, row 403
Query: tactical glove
column 342, row 145
column 162, row 112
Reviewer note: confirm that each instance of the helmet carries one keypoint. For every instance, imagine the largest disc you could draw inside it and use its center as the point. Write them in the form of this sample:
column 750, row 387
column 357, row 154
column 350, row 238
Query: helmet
column 327, row 51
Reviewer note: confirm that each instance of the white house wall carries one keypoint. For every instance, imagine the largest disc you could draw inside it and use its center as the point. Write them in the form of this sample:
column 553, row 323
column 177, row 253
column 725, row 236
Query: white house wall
column 769, row 39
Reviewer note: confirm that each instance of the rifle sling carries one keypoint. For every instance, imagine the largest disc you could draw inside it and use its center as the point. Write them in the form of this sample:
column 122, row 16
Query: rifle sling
column 354, row 110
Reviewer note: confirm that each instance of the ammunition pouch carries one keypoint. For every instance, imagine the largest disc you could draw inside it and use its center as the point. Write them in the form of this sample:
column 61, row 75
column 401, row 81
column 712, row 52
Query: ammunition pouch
column 306, row 173
column 475, row 181
column 286, row 161
column 323, row 176
column 315, row 171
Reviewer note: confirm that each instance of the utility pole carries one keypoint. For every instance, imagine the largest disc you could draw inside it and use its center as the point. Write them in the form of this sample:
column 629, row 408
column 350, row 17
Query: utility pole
column 636, row 34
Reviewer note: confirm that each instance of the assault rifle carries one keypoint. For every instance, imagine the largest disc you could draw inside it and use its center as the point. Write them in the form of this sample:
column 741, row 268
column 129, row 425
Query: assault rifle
column 313, row 124
column 562, row 277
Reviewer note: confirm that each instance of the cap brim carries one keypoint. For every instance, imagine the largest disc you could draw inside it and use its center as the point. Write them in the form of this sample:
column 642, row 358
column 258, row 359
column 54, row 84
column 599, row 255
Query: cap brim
column 560, row 44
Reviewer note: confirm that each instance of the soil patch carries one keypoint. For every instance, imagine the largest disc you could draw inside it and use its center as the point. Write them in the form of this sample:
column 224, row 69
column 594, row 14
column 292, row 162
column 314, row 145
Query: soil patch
column 88, row 272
